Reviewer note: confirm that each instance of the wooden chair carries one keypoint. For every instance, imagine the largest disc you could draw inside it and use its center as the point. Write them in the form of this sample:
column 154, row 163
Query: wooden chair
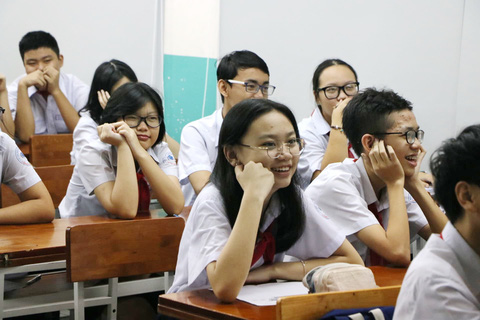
column 55, row 178
column 314, row 306
column 119, row 249
column 50, row 149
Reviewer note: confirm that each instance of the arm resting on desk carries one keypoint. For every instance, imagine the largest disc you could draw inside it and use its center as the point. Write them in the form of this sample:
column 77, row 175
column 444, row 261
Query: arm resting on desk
column 36, row 206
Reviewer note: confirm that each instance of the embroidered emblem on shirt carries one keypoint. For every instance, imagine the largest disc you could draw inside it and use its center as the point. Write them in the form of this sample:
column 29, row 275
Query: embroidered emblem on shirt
column 21, row 158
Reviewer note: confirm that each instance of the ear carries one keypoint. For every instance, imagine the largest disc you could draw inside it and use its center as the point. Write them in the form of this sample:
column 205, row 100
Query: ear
column 465, row 198
column 222, row 86
column 231, row 155
column 60, row 58
column 367, row 142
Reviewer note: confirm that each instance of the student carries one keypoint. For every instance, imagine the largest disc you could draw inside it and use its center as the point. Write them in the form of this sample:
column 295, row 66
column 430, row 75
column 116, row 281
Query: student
column 108, row 77
column 129, row 147
column 45, row 100
column 334, row 83
column 443, row 281
column 241, row 75
column 36, row 205
column 6, row 121
column 252, row 212
column 382, row 128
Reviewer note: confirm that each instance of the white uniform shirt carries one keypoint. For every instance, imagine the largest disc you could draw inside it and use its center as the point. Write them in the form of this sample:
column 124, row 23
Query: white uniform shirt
column 443, row 281
column 207, row 231
column 198, row 150
column 97, row 164
column 315, row 130
column 85, row 132
column 48, row 119
column 17, row 173
column 343, row 191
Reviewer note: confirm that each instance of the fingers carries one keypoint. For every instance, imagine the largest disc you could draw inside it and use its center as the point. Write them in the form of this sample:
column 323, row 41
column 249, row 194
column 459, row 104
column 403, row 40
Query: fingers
column 103, row 97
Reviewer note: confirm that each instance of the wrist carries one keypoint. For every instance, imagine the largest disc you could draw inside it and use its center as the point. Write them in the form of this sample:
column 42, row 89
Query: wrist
column 335, row 127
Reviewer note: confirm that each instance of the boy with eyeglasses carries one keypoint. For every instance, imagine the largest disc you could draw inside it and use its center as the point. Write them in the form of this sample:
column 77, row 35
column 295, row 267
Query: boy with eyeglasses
column 241, row 75
column 443, row 281
column 379, row 202
column 44, row 100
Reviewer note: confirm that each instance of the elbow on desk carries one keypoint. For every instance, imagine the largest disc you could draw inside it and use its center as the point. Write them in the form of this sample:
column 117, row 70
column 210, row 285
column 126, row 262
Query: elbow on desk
column 226, row 293
column 124, row 213
column 399, row 258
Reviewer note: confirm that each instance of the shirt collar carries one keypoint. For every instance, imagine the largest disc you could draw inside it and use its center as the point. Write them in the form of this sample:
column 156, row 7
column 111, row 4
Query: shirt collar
column 468, row 258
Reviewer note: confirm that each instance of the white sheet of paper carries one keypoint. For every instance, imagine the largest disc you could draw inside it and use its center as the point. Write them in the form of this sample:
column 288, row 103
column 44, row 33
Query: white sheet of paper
column 267, row 294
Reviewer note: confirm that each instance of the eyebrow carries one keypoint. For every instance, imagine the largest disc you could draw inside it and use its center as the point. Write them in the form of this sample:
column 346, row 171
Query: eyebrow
column 272, row 136
column 255, row 81
column 337, row 85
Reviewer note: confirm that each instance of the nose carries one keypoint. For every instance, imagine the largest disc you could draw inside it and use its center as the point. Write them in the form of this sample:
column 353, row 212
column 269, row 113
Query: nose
column 143, row 125
column 259, row 94
column 342, row 96
column 283, row 152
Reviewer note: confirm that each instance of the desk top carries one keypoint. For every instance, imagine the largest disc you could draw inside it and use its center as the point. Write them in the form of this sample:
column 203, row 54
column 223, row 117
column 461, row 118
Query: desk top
column 202, row 304
column 35, row 243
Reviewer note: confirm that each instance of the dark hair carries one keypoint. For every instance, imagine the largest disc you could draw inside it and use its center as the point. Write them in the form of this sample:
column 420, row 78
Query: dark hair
column 291, row 221
column 128, row 99
column 368, row 112
column 456, row 160
column 106, row 76
column 324, row 65
column 238, row 60
column 38, row 39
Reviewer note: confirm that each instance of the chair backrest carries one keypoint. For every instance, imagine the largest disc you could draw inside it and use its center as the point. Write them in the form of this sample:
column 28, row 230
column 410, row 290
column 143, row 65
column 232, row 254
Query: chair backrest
column 314, row 306
column 50, row 149
column 123, row 248
column 55, row 178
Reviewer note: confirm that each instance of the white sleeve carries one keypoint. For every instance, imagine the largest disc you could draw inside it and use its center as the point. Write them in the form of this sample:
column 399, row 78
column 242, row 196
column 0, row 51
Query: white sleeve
column 83, row 134
column 95, row 167
column 193, row 155
column 416, row 218
column 166, row 159
column 340, row 199
column 17, row 173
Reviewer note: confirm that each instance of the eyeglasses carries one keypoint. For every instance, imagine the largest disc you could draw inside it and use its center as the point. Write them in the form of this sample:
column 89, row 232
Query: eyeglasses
column 410, row 135
column 332, row 92
column 294, row 146
column 133, row 121
column 253, row 87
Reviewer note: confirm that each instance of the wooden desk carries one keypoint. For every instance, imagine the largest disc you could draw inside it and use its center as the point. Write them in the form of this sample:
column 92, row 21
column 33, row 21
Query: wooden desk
column 36, row 243
column 202, row 304
column 42, row 247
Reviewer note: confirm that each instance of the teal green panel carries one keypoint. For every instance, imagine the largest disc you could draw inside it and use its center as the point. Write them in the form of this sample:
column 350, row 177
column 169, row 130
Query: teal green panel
column 190, row 88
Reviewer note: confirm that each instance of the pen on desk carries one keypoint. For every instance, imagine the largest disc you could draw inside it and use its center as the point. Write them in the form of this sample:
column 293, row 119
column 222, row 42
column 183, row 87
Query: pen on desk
column 33, row 280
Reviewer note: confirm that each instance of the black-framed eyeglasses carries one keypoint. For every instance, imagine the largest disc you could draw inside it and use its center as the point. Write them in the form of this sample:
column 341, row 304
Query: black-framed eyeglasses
column 253, row 87
column 294, row 146
column 410, row 135
column 332, row 92
column 133, row 121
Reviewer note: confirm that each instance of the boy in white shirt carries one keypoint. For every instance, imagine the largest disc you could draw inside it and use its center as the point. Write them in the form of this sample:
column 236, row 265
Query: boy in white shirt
column 366, row 198
column 241, row 75
column 443, row 281
column 44, row 100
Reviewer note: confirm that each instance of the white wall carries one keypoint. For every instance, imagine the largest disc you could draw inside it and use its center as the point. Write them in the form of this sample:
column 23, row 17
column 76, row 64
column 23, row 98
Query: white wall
column 413, row 47
column 88, row 32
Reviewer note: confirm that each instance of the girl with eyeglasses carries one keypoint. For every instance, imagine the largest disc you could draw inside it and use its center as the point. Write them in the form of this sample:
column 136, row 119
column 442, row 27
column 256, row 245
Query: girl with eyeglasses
column 334, row 83
column 118, row 173
column 252, row 212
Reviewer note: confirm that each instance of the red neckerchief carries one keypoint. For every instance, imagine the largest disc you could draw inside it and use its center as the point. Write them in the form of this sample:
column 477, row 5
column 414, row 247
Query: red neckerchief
column 375, row 258
column 265, row 247
column 143, row 193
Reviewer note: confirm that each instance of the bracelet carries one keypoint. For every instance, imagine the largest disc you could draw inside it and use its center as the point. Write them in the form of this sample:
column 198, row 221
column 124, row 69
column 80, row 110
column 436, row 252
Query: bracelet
column 337, row 128
column 303, row 265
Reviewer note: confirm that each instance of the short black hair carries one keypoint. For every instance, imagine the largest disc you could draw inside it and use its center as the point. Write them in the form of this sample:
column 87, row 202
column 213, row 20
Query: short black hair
column 238, row 60
column 128, row 99
column 456, row 160
column 38, row 39
column 368, row 112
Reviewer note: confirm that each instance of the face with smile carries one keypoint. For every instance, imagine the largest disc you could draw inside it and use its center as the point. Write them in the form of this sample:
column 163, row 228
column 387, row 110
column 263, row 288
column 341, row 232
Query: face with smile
column 233, row 93
column 272, row 127
column 146, row 135
column 407, row 154
column 336, row 75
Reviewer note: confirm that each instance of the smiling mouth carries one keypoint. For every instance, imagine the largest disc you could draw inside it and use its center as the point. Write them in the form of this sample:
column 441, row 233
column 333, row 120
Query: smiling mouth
column 411, row 158
column 282, row 169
